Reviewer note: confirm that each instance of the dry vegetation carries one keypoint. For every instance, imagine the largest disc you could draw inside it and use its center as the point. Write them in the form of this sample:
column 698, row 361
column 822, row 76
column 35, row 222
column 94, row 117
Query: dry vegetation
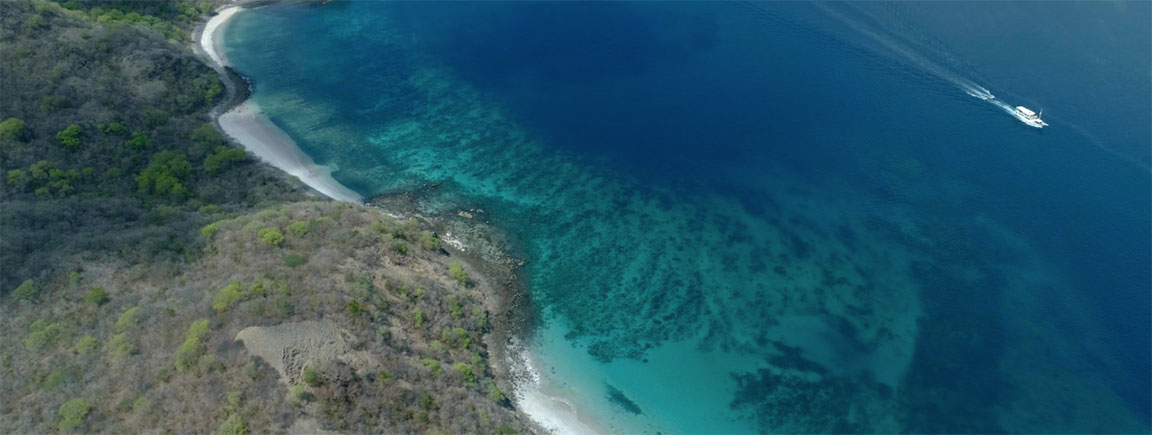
column 152, row 345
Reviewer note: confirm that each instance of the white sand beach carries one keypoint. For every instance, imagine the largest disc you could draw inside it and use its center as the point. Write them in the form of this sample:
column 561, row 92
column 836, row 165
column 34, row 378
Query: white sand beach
column 262, row 137
column 214, row 23
column 542, row 401
column 259, row 135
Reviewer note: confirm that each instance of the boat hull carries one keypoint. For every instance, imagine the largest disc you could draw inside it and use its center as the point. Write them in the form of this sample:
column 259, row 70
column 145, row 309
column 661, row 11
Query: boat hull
column 1031, row 122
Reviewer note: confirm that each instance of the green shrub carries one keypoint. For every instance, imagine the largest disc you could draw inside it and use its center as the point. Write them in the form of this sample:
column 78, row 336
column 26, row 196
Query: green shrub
column 97, row 296
column 459, row 338
column 14, row 129
column 457, row 271
column 298, row 228
column 209, row 230
column 130, row 318
column 227, row 297
column 138, row 141
column 465, row 370
column 432, row 365
column 311, row 377
column 53, row 103
column 300, row 393
column 86, row 344
column 70, row 136
column 400, row 247
column 26, row 291
column 164, row 174
column 213, row 91
column 112, row 128
column 454, row 307
column 429, row 241
column 120, row 347
column 17, row 177
column 155, row 117
column 271, row 236
column 142, row 405
column 495, row 394
column 293, row 259
column 418, row 317
column 233, row 425
column 207, row 137
column 189, row 353
column 355, row 308
column 427, row 402
column 481, row 317
column 223, row 157
column 58, row 377
column 44, row 336
column 72, row 414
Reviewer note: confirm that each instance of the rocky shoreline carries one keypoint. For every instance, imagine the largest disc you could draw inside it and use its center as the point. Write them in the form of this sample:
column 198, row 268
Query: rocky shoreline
column 488, row 250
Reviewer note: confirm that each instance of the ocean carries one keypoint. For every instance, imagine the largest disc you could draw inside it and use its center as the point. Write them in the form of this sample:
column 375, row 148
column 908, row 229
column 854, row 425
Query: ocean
column 746, row 217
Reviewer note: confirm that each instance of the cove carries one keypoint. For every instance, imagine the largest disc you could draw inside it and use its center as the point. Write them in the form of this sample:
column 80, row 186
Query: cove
column 743, row 217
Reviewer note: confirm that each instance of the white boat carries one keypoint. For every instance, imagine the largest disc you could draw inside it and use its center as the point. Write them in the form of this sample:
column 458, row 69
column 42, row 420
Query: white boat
column 1029, row 117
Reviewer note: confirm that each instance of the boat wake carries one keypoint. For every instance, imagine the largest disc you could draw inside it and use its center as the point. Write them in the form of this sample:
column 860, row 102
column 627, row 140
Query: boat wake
column 892, row 44
column 943, row 66
column 978, row 92
column 904, row 50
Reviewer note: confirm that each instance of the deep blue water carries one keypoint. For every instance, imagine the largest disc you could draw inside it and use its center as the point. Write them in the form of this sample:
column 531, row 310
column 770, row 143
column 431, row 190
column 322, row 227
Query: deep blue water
column 770, row 216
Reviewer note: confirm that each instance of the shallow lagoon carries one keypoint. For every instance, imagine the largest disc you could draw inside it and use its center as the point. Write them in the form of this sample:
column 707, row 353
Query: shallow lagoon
column 743, row 218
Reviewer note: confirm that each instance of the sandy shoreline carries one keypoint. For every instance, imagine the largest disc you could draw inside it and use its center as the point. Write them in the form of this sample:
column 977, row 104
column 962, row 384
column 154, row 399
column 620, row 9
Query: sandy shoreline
column 246, row 124
column 536, row 398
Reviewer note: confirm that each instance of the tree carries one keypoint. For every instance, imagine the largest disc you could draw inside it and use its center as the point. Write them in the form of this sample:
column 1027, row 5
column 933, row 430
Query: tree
column 97, row 296
column 112, row 128
column 457, row 271
column 466, row 371
column 298, row 228
column 206, row 137
column 130, row 318
column 429, row 242
column 17, row 177
column 164, row 175
column 14, row 129
column 227, row 297
column 86, row 345
column 72, row 414
column 209, row 230
column 311, row 377
column 189, row 352
column 138, row 141
column 70, row 136
column 39, row 170
column 213, row 91
column 223, row 157
column 26, row 291
column 271, row 236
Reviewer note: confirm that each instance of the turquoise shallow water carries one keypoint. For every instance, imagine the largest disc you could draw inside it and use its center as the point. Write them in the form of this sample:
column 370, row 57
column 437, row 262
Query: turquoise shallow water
column 752, row 217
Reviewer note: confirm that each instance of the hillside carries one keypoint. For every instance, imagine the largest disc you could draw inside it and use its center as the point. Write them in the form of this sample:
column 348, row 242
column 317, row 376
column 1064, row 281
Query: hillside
column 364, row 324
column 155, row 277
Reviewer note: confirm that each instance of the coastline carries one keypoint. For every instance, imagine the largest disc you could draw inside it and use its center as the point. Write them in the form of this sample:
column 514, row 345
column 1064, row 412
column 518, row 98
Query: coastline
column 241, row 119
column 247, row 125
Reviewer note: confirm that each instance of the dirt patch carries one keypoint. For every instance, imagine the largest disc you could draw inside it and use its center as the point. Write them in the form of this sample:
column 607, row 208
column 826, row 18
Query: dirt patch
column 290, row 347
